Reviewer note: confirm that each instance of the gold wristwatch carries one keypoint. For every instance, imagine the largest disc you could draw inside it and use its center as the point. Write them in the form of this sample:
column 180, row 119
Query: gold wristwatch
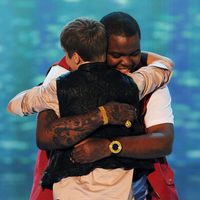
column 115, row 147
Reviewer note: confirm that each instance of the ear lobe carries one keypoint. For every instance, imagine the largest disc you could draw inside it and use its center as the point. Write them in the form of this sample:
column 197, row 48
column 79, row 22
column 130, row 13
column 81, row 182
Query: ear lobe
column 76, row 58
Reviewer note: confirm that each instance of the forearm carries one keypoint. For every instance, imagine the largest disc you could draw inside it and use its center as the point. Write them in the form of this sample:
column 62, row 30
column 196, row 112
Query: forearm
column 39, row 99
column 34, row 100
column 143, row 147
column 152, row 77
column 62, row 133
column 58, row 133
column 150, row 145
column 146, row 146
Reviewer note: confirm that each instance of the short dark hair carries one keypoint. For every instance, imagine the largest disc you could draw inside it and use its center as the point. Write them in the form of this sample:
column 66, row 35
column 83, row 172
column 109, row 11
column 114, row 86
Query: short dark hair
column 86, row 37
column 120, row 24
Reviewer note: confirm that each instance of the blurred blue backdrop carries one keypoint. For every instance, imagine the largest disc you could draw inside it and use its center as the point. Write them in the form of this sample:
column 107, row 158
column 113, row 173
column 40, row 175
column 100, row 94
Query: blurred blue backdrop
column 29, row 44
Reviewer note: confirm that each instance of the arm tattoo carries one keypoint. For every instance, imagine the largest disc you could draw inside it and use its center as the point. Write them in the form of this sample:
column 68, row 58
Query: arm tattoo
column 68, row 131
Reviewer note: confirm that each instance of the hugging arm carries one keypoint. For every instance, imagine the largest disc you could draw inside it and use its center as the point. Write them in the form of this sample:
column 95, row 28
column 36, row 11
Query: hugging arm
column 34, row 100
column 156, row 75
column 156, row 143
column 57, row 133
column 44, row 97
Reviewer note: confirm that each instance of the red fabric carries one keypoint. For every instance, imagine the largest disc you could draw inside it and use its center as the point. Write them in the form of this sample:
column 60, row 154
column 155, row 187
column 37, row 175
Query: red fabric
column 63, row 64
column 162, row 178
column 37, row 192
column 162, row 182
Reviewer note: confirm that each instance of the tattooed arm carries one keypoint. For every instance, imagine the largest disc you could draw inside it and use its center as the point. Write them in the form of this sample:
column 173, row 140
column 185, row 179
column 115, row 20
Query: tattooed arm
column 61, row 133
column 53, row 132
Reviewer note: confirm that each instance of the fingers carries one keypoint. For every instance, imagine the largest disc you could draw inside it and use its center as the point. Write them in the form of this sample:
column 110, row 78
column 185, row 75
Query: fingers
column 132, row 111
column 129, row 113
column 119, row 113
column 75, row 157
column 78, row 154
column 78, row 158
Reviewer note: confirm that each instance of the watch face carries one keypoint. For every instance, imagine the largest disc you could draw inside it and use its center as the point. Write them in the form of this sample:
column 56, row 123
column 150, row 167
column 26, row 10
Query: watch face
column 115, row 147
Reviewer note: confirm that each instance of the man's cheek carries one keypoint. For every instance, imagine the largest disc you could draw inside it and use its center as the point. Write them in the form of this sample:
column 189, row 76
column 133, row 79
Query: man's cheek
column 113, row 62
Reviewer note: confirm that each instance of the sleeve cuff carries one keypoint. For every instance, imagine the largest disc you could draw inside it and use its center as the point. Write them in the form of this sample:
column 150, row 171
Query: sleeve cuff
column 15, row 105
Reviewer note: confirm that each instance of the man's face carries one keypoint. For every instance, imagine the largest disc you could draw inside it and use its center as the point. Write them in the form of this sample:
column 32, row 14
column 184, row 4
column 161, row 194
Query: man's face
column 124, row 52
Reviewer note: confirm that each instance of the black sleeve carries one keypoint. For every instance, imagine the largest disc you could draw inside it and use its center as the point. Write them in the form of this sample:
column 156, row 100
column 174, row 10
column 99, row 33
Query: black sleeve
column 143, row 59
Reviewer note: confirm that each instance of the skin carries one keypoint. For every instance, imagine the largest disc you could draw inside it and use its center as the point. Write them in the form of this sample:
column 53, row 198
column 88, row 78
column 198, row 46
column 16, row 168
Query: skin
column 124, row 54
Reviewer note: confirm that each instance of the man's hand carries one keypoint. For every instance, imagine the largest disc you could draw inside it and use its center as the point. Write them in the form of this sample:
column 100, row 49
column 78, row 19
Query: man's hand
column 90, row 150
column 119, row 113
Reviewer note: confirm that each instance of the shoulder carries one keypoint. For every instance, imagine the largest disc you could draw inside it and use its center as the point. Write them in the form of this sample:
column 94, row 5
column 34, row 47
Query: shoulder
column 161, row 94
column 54, row 72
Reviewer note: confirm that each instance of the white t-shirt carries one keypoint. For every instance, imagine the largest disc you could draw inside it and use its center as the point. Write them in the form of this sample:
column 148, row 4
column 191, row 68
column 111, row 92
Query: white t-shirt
column 159, row 109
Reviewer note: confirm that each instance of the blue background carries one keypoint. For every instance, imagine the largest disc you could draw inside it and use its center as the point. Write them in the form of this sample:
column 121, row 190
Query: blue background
column 29, row 44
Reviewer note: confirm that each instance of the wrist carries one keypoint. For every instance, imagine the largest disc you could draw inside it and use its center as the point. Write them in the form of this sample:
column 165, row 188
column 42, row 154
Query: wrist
column 108, row 152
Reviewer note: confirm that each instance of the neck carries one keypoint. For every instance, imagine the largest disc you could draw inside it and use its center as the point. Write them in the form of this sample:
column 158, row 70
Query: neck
column 100, row 59
column 83, row 62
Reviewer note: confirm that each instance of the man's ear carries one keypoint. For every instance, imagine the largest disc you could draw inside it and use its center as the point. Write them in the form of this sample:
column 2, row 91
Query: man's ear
column 76, row 58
